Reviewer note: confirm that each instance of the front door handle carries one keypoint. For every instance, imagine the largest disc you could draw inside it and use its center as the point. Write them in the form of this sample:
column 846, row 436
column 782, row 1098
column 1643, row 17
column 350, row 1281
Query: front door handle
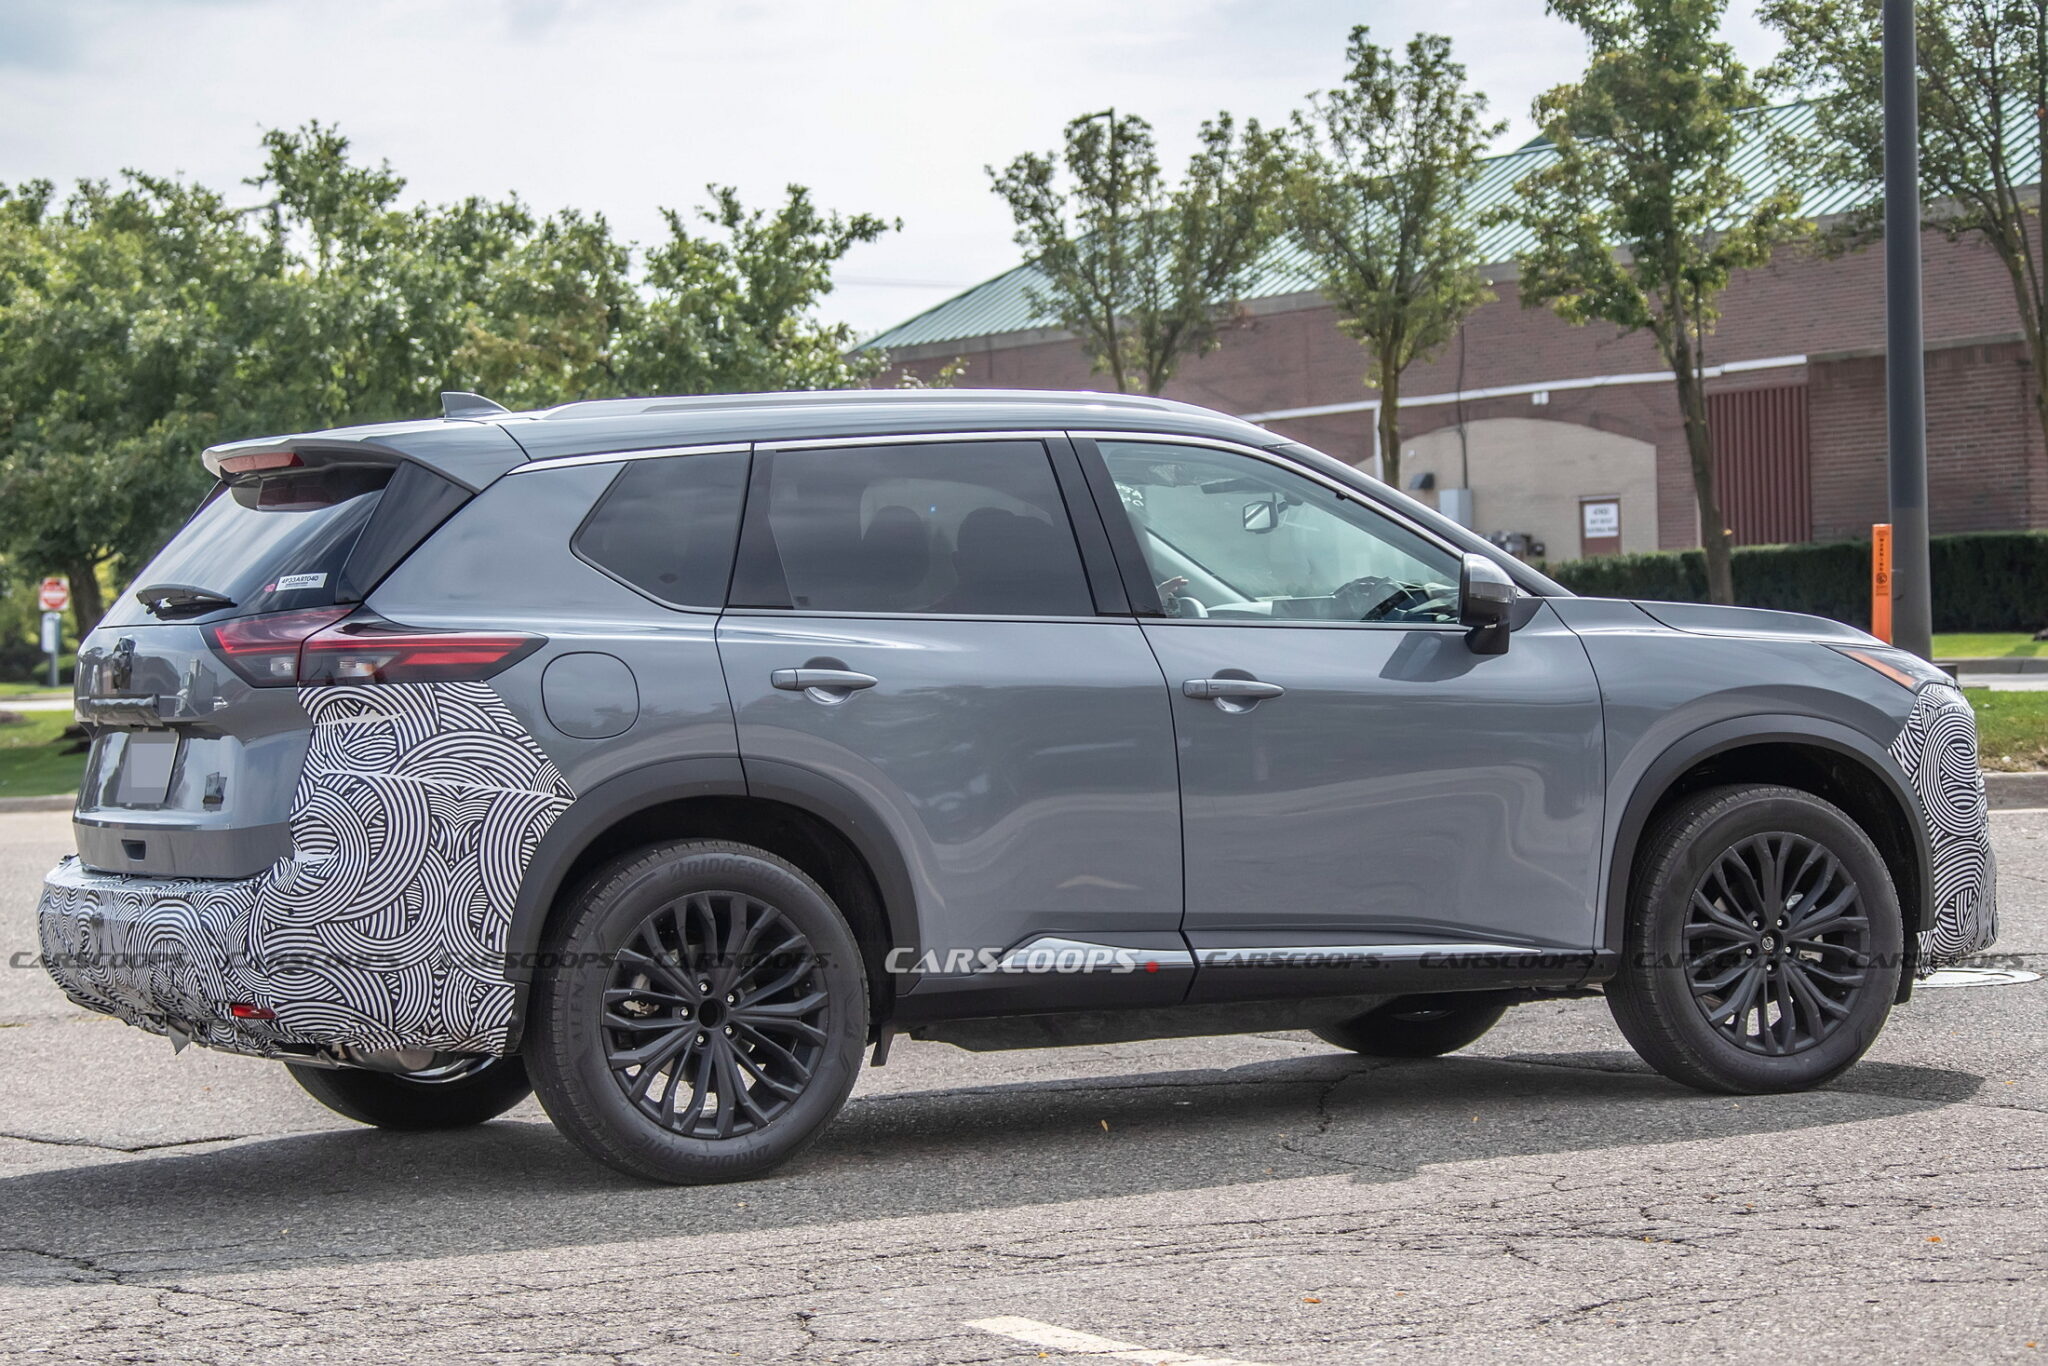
column 1230, row 689
column 841, row 681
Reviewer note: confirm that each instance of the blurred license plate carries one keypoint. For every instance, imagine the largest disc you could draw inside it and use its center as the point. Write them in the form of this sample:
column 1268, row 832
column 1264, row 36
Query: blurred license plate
column 146, row 762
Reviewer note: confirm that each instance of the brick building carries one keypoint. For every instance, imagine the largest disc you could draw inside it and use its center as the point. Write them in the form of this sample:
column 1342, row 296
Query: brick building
column 1540, row 419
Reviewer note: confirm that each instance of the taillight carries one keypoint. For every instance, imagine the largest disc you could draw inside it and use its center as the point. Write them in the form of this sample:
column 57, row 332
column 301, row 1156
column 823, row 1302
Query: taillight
column 265, row 649
column 368, row 649
column 330, row 645
column 262, row 460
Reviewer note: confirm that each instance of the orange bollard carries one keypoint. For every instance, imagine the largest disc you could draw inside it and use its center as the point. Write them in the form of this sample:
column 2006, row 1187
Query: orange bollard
column 1881, row 581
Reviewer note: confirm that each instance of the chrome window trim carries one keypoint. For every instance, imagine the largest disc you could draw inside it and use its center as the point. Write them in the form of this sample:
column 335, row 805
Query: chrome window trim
column 563, row 462
column 816, row 443
column 1345, row 491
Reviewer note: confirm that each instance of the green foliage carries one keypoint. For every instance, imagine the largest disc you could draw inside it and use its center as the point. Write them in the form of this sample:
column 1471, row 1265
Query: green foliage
column 33, row 761
column 1143, row 272
column 143, row 320
column 1376, row 197
column 1983, row 580
column 1641, row 219
column 1983, row 126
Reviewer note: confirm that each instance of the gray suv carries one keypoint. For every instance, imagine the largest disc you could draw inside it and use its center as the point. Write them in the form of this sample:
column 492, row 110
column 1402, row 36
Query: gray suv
column 664, row 756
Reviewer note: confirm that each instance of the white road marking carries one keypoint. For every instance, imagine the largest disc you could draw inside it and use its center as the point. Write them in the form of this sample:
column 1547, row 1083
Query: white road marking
column 1035, row 1334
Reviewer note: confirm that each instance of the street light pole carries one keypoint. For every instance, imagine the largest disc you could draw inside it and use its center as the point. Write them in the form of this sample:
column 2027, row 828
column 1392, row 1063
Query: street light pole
column 1905, row 379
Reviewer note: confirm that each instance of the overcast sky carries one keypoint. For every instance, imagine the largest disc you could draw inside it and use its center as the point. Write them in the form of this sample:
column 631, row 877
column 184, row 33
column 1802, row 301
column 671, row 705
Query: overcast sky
column 624, row 106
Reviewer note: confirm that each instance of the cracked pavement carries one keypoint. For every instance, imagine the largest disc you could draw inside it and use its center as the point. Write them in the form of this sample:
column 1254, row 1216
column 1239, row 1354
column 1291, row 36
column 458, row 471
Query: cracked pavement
column 1539, row 1196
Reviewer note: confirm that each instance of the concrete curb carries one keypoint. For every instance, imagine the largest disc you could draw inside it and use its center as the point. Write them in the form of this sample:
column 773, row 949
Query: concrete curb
column 2007, row 664
column 2006, row 790
column 61, row 802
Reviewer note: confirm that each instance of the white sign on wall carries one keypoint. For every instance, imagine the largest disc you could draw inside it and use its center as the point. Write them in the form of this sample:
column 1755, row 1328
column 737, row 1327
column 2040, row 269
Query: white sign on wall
column 1600, row 520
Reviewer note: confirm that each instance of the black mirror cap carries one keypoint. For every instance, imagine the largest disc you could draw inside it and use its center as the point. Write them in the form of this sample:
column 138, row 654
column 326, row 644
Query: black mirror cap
column 1486, row 603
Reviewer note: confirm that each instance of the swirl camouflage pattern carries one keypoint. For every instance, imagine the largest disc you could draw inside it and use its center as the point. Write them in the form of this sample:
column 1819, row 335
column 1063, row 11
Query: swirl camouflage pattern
column 1937, row 749
column 418, row 811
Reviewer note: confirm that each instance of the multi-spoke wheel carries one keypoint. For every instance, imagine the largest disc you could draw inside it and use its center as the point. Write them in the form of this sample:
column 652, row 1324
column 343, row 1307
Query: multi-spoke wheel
column 1763, row 944
column 702, row 1016
column 715, row 1016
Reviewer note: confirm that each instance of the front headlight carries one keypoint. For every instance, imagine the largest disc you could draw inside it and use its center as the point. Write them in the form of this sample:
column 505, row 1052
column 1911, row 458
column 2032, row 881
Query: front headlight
column 1902, row 667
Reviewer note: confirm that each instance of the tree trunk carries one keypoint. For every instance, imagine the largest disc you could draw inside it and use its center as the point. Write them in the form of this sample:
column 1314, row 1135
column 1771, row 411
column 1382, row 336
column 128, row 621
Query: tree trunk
column 1714, row 533
column 1390, row 428
column 87, row 607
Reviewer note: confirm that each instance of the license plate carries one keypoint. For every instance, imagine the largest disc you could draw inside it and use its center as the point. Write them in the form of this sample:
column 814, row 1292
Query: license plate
column 146, row 763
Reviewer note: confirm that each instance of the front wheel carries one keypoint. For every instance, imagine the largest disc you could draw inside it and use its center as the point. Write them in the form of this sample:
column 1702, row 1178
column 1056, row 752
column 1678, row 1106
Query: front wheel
column 703, row 1015
column 453, row 1095
column 1419, row 1026
column 1763, row 942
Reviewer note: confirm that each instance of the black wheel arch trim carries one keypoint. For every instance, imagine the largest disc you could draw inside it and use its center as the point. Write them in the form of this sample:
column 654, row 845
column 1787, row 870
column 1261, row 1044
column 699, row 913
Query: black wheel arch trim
column 621, row 797
column 1720, row 737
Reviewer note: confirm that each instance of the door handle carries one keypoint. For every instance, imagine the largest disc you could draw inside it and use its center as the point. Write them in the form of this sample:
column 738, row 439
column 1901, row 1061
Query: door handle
column 1230, row 689
column 826, row 680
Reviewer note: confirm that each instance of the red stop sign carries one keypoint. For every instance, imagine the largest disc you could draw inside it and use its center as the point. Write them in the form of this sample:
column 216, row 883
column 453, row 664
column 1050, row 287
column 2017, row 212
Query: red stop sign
column 54, row 594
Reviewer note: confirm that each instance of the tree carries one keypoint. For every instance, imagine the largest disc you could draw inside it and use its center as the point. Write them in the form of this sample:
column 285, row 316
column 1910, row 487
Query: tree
column 145, row 319
column 1142, row 272
column 734, row 310
column 1640, row 218
column 1983, row 127
column 1377, row 198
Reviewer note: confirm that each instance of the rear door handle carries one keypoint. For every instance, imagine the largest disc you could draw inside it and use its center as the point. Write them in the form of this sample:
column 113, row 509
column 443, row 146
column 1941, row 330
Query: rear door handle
column 830, row 680
column 1233, row 689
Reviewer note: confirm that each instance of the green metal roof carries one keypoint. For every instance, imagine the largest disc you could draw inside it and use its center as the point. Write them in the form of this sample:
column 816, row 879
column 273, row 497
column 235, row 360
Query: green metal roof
column 1000, row 305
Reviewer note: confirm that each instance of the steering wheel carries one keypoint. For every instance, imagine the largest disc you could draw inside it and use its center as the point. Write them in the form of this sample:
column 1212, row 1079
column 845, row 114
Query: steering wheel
column 1181, row 605
column 1370, row 598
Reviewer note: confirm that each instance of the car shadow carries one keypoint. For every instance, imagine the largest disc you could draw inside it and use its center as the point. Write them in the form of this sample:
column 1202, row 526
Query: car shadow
column 357, row 1194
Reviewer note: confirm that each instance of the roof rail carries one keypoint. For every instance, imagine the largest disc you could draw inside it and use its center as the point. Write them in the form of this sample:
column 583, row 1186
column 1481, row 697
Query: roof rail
column 808, row 398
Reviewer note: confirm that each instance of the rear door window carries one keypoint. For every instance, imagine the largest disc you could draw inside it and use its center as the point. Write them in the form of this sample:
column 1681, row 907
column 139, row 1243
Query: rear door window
column 269, row 543
column 963, row 528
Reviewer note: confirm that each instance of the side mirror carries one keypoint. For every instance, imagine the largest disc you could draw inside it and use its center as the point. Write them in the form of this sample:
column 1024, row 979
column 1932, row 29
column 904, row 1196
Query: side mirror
column 1262, row 516
column 1486, row 603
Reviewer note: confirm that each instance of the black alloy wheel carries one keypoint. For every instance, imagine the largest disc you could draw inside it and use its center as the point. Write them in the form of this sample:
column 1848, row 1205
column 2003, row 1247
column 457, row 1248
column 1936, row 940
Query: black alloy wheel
column 1776, row 940
column 715, row 1015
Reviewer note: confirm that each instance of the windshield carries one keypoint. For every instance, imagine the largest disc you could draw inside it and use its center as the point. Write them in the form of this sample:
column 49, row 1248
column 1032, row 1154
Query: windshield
column 265, row 544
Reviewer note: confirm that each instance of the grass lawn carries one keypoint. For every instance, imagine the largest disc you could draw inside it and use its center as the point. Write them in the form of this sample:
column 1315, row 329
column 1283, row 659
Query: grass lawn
column 30, row 764
column 2012, row 728
column 1987, row 645
column 32, row 690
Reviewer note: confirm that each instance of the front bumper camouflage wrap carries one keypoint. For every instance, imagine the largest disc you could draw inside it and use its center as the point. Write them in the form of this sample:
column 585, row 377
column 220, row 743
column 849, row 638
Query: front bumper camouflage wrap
column 1937, row 749
column 416, row 817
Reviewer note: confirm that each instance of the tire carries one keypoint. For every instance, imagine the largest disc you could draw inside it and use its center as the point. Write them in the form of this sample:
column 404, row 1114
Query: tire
column 1779, row 974
column 669, row 1082
column 1419, row 1026
column 470, row 1093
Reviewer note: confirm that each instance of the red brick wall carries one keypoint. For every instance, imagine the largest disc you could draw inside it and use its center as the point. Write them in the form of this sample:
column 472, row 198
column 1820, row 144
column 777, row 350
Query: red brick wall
column 1986, row 466
column 1798, row 305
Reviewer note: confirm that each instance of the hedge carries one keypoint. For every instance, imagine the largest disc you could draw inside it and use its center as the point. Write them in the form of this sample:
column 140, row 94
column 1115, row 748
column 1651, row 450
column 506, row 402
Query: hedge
column 1983, row 580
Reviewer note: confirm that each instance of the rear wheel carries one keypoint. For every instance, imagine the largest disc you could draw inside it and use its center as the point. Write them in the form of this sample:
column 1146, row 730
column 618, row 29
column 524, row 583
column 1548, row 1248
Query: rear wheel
column 1763, row 943
column 454, row 1095
column 1419, row 1026
column 703, row 1017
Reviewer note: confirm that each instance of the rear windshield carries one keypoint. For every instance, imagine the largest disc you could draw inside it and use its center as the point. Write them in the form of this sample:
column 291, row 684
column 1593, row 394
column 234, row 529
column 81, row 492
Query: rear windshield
column 268, row 544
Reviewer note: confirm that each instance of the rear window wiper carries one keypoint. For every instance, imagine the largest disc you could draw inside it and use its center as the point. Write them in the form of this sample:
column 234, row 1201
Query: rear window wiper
column 180, row 599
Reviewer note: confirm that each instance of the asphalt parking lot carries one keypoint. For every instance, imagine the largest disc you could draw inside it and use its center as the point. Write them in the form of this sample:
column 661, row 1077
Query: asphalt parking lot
column 1540, row 1196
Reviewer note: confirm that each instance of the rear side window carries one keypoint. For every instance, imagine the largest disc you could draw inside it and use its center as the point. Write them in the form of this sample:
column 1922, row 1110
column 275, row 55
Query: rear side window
column 667, row 526
column 963, row 528
column 269, row 543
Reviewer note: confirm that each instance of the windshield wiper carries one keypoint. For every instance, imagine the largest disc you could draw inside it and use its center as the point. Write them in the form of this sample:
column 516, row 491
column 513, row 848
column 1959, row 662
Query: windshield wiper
column 180, row 600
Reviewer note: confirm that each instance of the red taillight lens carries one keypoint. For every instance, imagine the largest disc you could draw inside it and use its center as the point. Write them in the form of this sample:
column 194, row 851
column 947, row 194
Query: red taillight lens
column 264, row 650
column 368, row 649
column 319, row 647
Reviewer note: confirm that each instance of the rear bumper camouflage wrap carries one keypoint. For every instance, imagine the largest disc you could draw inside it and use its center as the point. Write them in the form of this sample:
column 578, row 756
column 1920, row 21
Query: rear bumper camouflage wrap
column 1937, row 749
column 417, row 814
